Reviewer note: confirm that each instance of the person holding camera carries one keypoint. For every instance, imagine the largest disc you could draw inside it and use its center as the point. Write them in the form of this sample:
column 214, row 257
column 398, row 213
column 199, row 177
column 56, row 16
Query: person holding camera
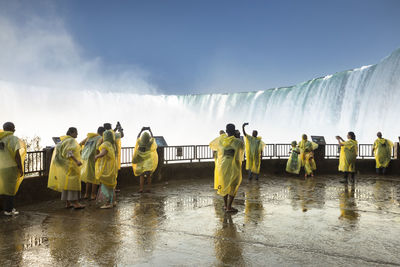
column 65, row 171
column 254, row 147
column 106, row 171
column 145, row 157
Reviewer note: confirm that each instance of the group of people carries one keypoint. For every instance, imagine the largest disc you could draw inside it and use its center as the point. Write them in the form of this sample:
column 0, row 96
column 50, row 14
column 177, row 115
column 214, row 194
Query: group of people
column 97, row 159
column 94, row 161
column 229, row 152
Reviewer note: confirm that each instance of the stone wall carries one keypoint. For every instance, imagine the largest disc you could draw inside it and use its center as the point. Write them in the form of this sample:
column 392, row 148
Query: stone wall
column 34, row 189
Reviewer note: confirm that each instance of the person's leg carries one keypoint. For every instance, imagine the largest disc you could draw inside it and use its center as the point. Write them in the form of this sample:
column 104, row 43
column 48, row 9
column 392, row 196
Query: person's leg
column 94, row 192
column 383, row 171
column 377, row 171
column 346, row 174
column 229, row 208
column 225, row 202
column 8, row 203
column 87, row 190
column 353, row 174
column 257, row 175
column 149, row 183
column 141, row 183
column 110, row 198
column 73, row 197
column 250, row 175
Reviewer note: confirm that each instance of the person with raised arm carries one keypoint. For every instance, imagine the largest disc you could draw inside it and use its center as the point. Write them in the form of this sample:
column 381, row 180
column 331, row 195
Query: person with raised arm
column 145, row 157
column 254, row 147
column 348, row 155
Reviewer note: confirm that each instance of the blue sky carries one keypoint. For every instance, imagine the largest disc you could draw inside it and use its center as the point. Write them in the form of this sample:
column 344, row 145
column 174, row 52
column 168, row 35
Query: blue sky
column 182, row 47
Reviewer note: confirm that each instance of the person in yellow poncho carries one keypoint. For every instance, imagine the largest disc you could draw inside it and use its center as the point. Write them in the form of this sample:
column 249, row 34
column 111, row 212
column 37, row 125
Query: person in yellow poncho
column 348, row 155
column 65, row 172
column 228, row 166
column 118, row 135
column 12, row 157
column 293, row 164
column 383, row 153
column 90, row 149
column 145, row 157
column 254, row 147
column 106, row 169
column 307, row 155
column 215, row 155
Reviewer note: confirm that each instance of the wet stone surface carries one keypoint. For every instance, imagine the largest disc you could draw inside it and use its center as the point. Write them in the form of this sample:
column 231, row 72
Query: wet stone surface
column 281, row 221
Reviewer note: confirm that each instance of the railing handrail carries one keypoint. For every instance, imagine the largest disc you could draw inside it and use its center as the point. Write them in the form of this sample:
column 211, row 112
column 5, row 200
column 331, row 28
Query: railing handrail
column 35, row 161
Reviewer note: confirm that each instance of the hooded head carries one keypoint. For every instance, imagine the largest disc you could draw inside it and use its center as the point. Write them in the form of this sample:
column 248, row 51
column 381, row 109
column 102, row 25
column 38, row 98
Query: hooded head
column 107, row 126
column 294, row 143
column 304, row 137
column 144, row 139
column 379, row 134
column 108, row 137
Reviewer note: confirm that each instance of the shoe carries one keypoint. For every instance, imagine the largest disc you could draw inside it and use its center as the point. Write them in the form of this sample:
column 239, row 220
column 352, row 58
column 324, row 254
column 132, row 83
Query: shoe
column 11, row 213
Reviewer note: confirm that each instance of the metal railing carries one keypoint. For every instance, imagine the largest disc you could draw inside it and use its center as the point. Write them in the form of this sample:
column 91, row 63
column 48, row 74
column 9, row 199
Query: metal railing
column 35, row 160
column 34, row 163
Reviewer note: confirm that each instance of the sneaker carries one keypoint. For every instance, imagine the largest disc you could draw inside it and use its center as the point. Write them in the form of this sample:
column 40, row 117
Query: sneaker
column 8, row 213
column 14, row 212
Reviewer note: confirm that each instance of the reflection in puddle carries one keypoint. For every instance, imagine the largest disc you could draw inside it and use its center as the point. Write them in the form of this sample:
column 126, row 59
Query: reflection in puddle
column 347, row 204
column 227, row 245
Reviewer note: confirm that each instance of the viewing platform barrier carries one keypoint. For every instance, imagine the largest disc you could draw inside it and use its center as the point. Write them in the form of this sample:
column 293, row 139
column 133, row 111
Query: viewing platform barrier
column 35, row 162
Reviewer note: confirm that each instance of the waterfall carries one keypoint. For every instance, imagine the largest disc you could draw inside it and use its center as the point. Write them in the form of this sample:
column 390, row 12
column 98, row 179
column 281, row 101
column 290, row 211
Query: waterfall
column 362, row 100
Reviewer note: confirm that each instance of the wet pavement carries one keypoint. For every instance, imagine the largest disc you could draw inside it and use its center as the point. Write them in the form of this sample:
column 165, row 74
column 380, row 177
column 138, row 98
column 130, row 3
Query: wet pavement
column 281, row 221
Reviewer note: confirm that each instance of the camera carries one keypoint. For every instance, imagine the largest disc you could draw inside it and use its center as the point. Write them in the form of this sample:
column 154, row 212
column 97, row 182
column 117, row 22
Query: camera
column 118, row 127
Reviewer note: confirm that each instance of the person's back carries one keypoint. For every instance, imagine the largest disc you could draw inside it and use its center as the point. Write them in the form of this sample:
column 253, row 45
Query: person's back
column 64, row 173
column 230, row 156
column 9, row 146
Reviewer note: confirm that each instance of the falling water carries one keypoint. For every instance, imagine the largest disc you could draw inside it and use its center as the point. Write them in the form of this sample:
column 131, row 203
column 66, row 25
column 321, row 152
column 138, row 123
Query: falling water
column 363, row 100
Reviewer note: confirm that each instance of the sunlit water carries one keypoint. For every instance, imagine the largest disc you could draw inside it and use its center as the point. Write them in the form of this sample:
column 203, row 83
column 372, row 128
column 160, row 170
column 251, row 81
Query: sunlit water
column 281, row 221
column 363, row 100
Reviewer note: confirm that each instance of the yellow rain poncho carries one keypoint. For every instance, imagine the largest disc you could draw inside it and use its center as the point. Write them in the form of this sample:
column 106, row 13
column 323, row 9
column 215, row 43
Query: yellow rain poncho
column 348, row 206
column 383, row 152
column 254, row 148
column 64, row 173
column 293, row 164
column 145, row 157
column 10, row 179
column 106, row 167
column 348, row 155
column 307, row 156
column 228, row 165
column 88, row 153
